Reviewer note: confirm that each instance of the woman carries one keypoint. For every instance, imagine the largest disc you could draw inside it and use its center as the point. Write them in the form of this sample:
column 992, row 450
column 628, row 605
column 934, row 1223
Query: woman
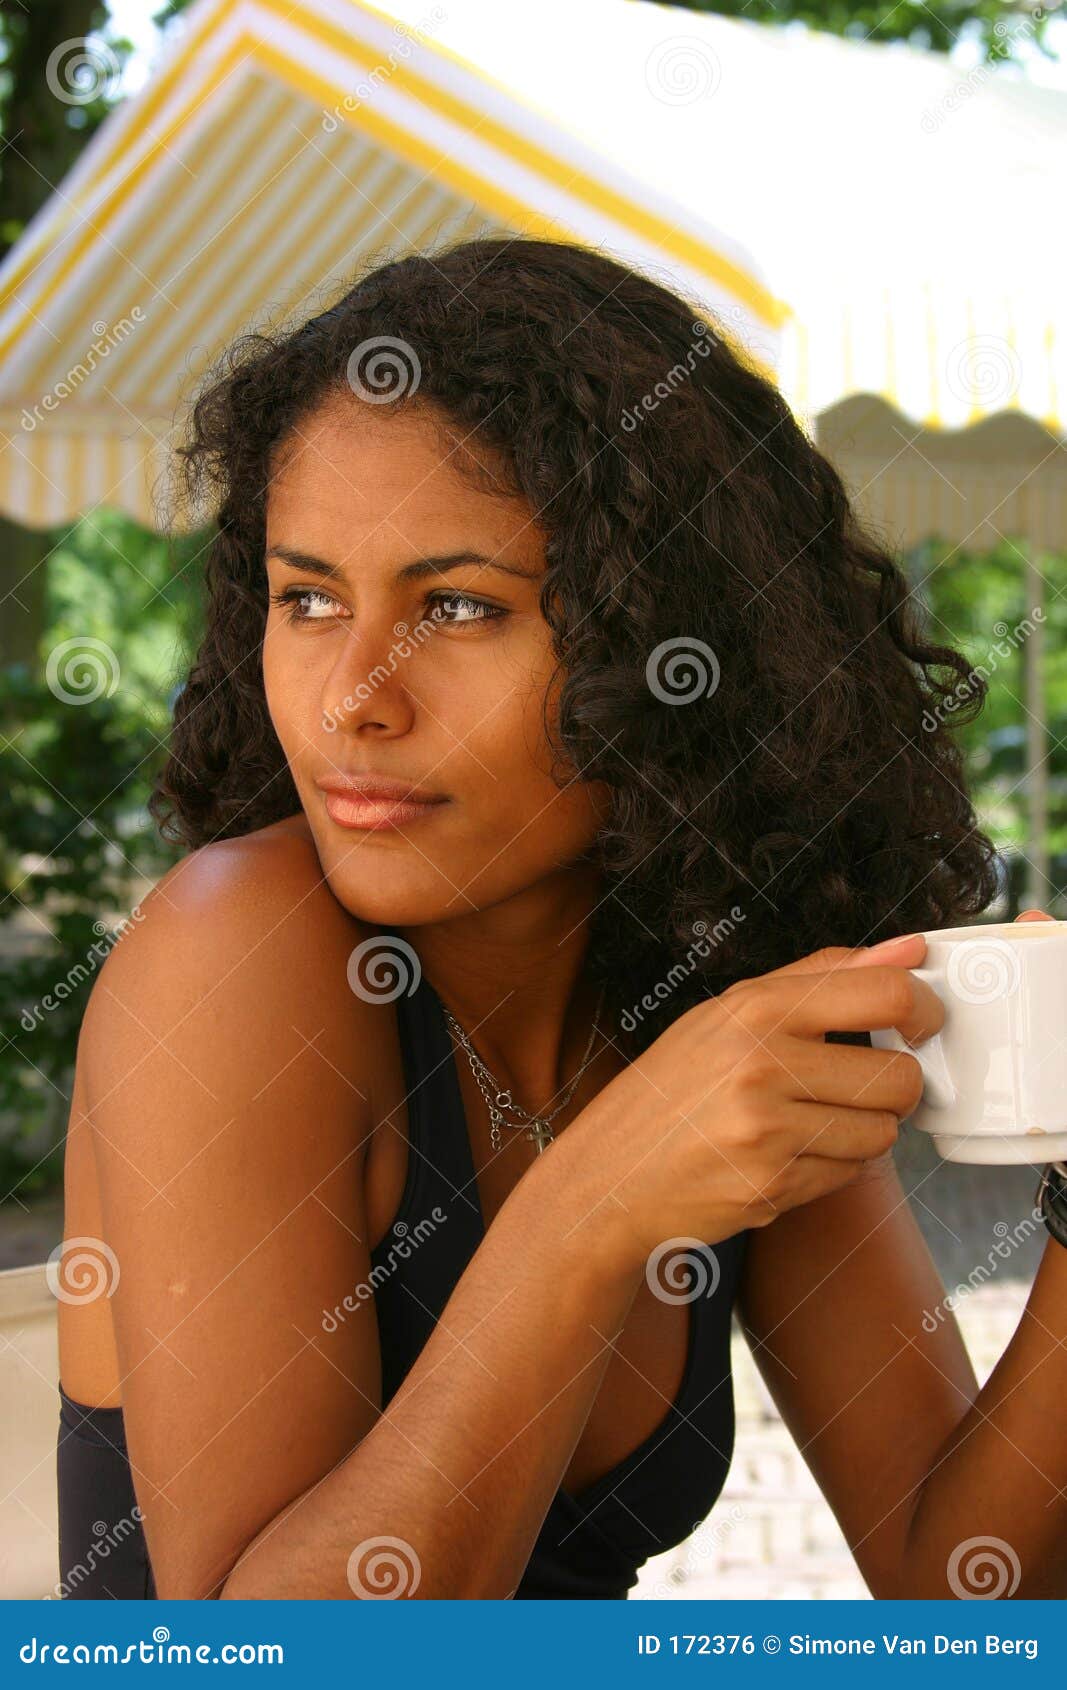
column 556, row 747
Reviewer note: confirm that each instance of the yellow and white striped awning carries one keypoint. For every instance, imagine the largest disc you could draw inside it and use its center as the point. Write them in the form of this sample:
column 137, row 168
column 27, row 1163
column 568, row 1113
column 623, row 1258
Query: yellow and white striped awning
column 281, row 143
column 864, row 220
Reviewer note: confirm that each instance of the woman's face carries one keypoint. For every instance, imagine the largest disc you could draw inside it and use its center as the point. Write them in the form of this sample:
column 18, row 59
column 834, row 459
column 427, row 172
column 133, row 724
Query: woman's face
column 397, row 668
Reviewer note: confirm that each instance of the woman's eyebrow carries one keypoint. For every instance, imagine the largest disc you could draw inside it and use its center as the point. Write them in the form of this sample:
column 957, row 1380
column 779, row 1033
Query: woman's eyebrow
column 414, row 571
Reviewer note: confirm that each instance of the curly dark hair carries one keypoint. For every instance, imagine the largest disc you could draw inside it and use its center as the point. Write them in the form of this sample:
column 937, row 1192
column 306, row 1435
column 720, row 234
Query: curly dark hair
column 740, row 661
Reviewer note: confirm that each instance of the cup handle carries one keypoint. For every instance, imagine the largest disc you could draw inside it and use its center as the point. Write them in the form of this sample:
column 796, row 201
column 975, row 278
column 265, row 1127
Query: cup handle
column 938, row 1089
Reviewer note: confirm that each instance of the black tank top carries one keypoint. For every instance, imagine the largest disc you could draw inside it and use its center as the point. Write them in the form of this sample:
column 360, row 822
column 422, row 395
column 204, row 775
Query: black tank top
column 591, row 1543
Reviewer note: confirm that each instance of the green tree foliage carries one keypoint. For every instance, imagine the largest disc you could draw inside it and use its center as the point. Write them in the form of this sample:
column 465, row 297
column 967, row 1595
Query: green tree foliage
column 999, row 30
column 936, row 25
column 81, row 738
column 979, row 603
column 42, row 136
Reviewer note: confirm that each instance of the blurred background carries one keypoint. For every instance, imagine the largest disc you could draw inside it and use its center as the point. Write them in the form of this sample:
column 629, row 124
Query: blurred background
column 870, row 196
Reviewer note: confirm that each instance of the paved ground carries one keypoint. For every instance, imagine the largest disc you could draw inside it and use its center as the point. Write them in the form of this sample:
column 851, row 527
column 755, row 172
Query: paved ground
column 771, row 1534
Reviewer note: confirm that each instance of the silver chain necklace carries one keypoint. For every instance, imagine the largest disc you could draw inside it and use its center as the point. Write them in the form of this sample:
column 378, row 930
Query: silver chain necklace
column 537, row 1128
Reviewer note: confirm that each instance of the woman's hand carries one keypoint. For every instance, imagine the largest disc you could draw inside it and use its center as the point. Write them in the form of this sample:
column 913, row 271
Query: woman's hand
column 741, row 1109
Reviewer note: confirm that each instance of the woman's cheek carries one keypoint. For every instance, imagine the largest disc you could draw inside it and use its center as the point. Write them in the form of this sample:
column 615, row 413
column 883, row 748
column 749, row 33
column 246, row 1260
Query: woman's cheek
column 294, row 704
column 273, row 690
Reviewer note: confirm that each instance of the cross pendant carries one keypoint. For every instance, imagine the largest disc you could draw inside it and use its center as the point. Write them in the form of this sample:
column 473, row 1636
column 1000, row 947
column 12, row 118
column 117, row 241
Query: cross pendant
column 540, row 1135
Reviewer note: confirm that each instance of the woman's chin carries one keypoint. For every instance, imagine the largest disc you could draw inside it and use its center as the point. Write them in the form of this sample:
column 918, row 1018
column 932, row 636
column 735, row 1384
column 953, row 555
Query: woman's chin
column 380, row 900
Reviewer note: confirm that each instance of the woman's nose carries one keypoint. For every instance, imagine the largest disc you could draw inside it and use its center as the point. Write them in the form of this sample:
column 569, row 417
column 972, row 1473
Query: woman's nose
column 366, row 684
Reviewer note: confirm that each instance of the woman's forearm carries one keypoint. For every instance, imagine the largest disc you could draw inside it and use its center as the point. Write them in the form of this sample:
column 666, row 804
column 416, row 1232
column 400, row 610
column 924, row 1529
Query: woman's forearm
column 466, row 1458
column 1003, row 1472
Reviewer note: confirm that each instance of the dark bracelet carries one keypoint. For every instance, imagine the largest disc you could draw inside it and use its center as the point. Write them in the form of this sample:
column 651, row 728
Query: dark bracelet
column 1051, row 1199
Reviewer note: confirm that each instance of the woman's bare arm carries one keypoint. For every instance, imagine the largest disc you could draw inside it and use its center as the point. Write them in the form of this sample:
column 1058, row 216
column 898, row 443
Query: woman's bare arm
column 445, row 1495
column 832, row 1302
column 859, row 1345
column 223, row 1061
column 222, row 1067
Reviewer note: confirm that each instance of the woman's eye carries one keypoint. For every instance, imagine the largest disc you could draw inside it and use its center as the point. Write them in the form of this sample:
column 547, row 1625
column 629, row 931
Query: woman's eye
column 471, row 610
column 294, row 601
column 310, row 604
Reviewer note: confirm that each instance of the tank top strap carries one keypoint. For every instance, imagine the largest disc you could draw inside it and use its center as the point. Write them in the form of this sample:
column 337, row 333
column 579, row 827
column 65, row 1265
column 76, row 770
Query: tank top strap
column 440, row 1163
column 438, row 1225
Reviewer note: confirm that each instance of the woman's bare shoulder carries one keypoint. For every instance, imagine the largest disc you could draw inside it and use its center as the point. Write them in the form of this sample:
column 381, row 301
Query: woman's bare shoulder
column 270, row 875
column 235, row 962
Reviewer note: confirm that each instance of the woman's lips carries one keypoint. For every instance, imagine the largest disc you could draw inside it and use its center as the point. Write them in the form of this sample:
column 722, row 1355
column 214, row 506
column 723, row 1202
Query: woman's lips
column 353, row 809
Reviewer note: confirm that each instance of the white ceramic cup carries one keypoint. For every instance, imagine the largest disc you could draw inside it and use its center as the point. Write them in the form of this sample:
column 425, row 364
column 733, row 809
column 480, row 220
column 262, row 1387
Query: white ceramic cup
column 995, row 1077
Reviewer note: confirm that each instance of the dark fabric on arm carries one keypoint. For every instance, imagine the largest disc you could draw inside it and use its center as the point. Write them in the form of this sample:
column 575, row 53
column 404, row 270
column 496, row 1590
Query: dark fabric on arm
column 102, row 1551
